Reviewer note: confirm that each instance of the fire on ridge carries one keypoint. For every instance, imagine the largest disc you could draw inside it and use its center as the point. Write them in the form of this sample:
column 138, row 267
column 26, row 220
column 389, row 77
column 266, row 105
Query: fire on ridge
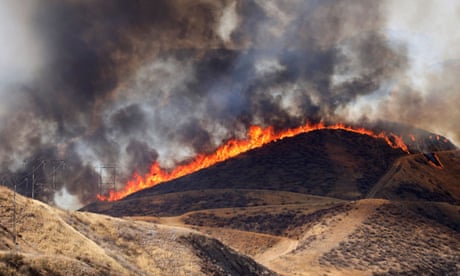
column 256, row 137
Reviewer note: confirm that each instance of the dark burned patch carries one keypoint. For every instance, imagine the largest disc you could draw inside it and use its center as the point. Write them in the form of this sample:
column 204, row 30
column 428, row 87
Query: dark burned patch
column 414, row 191
column 173, row 204
column 290, row 223
column 299, row 164
column 217, row 259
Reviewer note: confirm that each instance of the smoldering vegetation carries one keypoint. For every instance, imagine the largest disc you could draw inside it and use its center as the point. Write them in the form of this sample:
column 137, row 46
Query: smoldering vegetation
column 132, row 82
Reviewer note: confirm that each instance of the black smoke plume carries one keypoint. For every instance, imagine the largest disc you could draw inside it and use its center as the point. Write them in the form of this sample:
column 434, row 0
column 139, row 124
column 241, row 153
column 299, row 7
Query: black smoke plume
column 132, row 82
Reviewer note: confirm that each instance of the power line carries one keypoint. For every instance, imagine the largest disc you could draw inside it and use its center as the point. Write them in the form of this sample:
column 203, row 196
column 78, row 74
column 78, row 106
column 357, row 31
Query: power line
column 14, row 180
column 43, row 183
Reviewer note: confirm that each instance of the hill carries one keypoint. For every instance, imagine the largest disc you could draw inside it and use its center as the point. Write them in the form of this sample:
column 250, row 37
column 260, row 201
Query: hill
column 326, row 202
column 330, row 237
column 416, row 177
column 307, row 205
column 313, row 236
column 56, row 242
column 334, row 163
column 330, row 163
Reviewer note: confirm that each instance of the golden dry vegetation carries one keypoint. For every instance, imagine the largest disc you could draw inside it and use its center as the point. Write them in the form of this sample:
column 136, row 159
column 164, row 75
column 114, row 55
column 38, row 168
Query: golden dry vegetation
column 415, row 178
column 346, row 238
column 56, row 242
column 316, row 236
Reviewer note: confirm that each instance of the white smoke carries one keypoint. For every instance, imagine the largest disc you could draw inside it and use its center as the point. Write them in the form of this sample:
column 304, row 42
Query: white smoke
column 21, row 51
column 228, row 22
column 428, row 93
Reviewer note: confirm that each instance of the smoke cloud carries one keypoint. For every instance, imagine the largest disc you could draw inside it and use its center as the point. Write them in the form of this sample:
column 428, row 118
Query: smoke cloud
column 133, row 82
column 427, row 94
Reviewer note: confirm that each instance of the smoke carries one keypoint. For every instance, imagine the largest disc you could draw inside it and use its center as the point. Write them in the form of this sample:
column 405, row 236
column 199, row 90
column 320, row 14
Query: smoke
column 133, row 82
column 427, row 94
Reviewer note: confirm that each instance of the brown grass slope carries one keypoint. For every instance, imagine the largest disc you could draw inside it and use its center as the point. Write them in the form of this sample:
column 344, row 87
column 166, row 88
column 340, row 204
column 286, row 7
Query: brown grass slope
column 287, row 220
column 174, row 204
column 394, row 240
column 415, row 178
column 350, row 238
column 55, row 242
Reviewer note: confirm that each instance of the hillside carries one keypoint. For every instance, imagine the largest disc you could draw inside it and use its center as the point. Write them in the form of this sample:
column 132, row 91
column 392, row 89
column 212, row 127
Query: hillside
column 56, row 242
column 294, row 207
column 330, row 237
column 174, row 204
column 323, row 203
column 416, row 177
column 275, row 233
column 331, row 163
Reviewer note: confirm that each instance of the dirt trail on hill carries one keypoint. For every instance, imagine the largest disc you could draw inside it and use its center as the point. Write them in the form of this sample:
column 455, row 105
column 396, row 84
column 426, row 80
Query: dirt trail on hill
column 289, row 256
column 386, row 177
column 283, row 247
column 323, row 236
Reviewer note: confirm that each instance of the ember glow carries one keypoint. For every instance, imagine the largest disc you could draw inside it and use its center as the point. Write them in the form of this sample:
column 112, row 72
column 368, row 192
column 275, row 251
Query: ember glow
column 256, row 138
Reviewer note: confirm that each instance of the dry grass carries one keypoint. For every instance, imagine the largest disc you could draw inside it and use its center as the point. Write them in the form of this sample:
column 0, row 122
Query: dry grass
column 356, row 238
column 394, row 240
column 280, row 221
column 248, row 243
column 175, row 204
column 57, row 242
column 322, row 236
column 413, row 178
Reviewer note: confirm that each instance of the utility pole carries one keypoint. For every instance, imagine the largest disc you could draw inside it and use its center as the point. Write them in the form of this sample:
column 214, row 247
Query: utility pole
column 33, row 183
column 15, row 235
column 54, row 177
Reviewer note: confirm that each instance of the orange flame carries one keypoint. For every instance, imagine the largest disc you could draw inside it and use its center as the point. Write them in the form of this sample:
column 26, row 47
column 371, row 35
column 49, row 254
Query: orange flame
column 257, row 137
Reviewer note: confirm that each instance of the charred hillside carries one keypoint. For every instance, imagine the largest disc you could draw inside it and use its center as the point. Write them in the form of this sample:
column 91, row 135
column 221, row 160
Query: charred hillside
column 331, row 163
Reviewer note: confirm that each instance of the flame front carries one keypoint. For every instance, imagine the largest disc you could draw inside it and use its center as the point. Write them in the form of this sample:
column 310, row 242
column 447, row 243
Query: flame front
column 256, row 138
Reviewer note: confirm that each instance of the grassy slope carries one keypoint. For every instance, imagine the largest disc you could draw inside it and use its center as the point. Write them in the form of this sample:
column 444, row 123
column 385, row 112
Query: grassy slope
column 174, row 204
column 312, row 236
column 56, row 242
column 336, row 237
column 414, row 178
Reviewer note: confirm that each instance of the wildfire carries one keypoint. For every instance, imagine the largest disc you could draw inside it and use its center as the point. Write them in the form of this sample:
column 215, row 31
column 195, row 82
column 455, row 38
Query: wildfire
column 256, row 138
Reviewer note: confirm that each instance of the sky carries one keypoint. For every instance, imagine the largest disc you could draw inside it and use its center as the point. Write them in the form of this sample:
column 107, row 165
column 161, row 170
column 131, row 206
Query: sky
column 130, row 83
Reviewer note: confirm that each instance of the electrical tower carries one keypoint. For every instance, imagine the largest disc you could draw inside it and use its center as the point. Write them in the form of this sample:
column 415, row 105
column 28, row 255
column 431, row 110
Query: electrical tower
column 56, row 165
column 42, row 175
column 38, row 176
column 107, row 178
